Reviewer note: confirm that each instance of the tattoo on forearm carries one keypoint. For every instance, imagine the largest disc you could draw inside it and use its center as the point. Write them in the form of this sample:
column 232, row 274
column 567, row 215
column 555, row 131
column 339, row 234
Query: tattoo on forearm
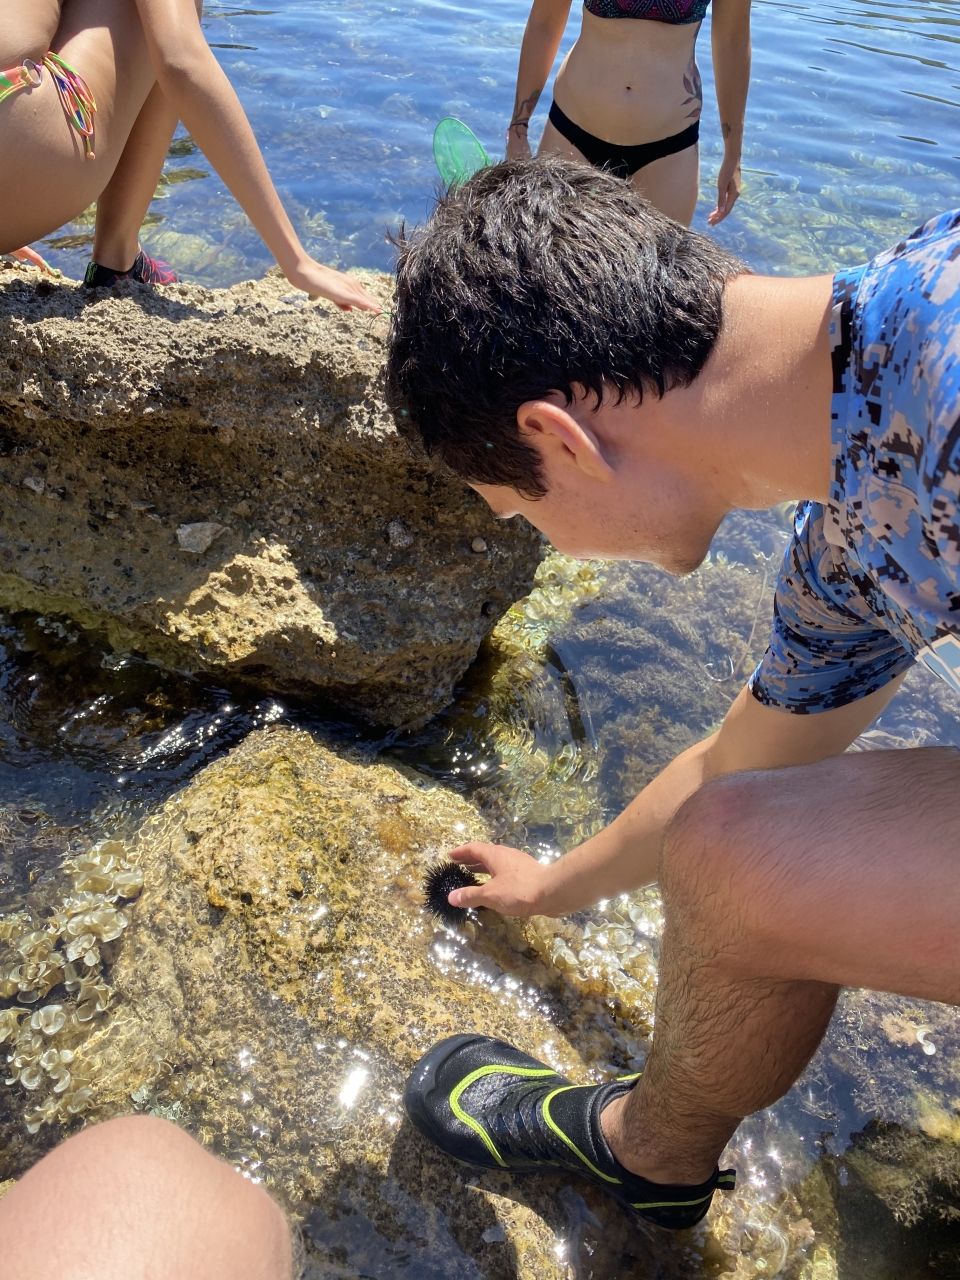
column 694, row 87
column 524, row 110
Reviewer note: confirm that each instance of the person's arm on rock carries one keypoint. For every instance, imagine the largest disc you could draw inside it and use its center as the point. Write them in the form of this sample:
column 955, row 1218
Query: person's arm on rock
column 625, row 854
column 196, row 85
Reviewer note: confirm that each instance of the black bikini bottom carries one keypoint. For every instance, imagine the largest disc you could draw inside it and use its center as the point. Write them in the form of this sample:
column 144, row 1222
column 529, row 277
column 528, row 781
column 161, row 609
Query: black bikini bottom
column 619, row 160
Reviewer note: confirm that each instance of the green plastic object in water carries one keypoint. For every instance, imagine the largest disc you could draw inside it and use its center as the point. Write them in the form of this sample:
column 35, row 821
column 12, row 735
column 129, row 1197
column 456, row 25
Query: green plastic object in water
column 457, row 151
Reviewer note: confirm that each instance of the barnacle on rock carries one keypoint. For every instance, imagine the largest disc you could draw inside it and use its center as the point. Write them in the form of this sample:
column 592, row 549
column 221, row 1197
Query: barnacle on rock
column 50, row 1019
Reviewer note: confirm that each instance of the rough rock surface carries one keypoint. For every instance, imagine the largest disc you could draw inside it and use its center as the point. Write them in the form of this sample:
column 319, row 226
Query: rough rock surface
column 278, row 979
column 211, row 478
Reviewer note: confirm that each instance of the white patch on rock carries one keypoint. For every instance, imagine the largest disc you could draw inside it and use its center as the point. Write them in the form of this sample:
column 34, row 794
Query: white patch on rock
column 196, row 538
column 399, row 535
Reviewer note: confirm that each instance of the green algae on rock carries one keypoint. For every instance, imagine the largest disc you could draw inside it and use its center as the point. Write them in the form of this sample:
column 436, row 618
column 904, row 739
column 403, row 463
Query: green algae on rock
column 62, row 951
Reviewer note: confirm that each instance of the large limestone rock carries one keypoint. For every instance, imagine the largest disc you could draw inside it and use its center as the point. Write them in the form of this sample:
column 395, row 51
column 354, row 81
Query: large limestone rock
column 211, row 478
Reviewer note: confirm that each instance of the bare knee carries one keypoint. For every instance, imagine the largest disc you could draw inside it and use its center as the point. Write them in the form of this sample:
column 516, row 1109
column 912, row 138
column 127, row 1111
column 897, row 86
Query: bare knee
column 139, row 1188
column 720, row 862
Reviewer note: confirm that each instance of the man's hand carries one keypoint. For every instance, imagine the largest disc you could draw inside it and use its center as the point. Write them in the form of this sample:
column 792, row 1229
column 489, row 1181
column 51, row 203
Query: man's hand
column 518, row 884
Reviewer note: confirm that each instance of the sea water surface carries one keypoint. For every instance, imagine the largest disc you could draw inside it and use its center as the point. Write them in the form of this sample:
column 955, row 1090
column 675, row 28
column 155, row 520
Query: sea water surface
column 852, row 133
column 852, row 139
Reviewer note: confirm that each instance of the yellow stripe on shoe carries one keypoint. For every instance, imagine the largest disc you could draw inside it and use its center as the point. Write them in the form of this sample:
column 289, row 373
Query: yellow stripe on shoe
column 670, row 1204
column 493, row 1068
column 555, row 1128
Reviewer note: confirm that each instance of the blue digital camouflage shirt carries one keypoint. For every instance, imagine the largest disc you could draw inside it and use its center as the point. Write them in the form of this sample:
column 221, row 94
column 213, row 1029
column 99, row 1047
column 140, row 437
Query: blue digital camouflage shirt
column 872, row 580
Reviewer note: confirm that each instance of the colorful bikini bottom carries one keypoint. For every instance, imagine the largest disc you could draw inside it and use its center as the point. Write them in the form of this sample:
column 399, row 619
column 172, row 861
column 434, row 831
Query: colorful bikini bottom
column 75, row 97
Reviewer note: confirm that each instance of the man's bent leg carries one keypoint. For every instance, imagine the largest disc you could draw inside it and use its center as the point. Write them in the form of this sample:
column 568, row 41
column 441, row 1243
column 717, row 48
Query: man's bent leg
column 134, row 1199
column 779, row 888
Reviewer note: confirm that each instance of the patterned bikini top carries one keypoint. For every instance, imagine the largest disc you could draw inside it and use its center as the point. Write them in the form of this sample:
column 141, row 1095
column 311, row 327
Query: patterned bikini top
column 675, row 12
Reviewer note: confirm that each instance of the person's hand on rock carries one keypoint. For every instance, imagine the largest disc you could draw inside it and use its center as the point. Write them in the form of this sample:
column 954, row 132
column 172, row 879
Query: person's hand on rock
column 323, row 282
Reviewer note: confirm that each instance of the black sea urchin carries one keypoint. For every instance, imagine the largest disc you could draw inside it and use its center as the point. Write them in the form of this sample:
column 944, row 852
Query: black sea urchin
column 440, row 879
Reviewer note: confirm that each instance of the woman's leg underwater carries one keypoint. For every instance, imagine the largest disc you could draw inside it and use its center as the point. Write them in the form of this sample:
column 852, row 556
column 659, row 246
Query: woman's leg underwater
column 136, row 1198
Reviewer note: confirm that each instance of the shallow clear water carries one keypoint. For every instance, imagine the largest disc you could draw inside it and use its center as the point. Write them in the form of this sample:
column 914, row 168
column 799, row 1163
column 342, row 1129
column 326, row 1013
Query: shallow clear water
column 853, row 126
column 853, row 137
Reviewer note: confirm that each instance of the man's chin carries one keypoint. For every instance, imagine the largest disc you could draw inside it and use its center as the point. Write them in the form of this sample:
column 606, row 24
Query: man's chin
column 679, row 563
column 674, row 561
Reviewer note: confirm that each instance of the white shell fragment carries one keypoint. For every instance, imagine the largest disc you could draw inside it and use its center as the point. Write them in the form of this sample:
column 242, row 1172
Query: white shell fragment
column 197, row 538
column 398, row 535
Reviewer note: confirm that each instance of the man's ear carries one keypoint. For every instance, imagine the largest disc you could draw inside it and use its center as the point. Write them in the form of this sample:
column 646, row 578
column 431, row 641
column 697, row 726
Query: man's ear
column 563, row 439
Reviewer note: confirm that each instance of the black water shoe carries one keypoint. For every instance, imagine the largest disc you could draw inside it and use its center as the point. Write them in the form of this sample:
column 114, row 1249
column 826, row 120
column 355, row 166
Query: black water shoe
column 145, row 270
column 485, row 1103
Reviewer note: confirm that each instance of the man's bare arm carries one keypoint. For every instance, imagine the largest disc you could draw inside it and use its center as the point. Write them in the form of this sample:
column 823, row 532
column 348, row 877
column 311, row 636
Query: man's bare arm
column 625, row 854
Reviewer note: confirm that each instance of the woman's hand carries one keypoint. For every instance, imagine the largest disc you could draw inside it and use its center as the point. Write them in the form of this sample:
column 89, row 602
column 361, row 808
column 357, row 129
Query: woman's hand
column 26, row 254
column 518, row 144
column 728, row 189
column 518, row 884
column 323, row 282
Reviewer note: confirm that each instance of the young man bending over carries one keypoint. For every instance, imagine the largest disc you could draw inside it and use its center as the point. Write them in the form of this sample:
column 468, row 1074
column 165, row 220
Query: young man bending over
column 623, row 383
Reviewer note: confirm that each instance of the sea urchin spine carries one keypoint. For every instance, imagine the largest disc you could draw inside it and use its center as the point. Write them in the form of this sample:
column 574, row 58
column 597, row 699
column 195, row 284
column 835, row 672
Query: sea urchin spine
column 441, row 879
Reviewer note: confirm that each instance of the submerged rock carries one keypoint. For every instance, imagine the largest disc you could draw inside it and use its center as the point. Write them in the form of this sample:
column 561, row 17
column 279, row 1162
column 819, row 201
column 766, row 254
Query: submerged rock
column 277, row 980
column 211, row 478
column 279, row 976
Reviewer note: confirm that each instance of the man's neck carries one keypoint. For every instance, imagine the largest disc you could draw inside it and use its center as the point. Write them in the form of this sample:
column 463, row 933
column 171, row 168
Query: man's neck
column 763, row 400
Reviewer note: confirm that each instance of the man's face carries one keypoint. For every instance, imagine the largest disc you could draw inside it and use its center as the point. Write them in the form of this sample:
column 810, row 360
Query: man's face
column 621, row 484
column 658, row 527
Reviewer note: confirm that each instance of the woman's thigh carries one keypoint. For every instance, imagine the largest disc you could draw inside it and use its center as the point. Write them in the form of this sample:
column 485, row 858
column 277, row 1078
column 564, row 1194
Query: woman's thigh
column 40, row 152
column 672, row 184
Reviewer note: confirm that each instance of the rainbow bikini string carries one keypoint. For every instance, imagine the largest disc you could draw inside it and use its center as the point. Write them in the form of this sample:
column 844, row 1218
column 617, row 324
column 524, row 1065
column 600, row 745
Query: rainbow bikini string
column 76, row 99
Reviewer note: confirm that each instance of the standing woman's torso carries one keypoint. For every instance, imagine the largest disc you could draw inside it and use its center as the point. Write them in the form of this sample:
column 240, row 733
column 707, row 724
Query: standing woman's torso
column 631, row 77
